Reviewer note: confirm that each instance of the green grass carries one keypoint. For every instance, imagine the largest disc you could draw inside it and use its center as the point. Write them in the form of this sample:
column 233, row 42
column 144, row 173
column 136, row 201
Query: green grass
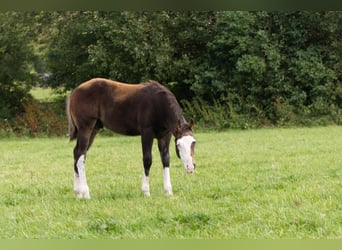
column 42, row 94
column 255, row 184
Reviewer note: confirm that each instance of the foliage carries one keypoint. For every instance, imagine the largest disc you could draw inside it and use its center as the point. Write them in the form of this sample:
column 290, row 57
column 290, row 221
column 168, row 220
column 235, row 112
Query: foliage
column 40, row 119
column 15, row 63
column 260, row 68
column 282, row 64
column 273, row 59
column 220, row 116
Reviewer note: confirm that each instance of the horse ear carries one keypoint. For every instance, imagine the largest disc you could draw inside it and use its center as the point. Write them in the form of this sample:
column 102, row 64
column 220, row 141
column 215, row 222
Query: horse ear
column 191, row 124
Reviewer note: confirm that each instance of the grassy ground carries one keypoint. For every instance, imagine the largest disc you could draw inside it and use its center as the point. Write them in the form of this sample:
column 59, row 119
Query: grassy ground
column 256, row 184
column 43, row 94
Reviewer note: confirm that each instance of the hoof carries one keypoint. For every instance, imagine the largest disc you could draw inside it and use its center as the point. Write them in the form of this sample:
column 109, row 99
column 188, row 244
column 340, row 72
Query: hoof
column 147, row 193
column 82, row 192
column 168, row 191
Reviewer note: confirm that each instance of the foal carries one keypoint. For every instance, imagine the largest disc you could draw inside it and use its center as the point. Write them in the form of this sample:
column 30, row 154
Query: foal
column 147, row 109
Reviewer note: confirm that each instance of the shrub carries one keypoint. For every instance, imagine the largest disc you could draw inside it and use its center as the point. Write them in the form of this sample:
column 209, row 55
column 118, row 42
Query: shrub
column 40, row 119
column 217, row 115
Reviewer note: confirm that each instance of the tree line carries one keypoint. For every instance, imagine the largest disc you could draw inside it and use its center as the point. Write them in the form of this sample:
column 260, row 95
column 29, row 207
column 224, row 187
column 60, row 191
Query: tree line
column 227, row 68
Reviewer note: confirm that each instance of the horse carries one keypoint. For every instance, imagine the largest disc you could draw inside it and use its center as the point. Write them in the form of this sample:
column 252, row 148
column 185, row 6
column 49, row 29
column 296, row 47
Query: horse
column 147, row 109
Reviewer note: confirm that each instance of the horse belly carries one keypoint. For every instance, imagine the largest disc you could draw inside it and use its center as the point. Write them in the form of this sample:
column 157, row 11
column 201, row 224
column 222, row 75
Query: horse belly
column 122, row 123
column 124, row 130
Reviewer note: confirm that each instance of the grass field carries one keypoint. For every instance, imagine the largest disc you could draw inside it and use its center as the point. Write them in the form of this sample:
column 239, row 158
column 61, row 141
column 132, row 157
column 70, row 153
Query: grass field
column 43, row 94
column 255, row 184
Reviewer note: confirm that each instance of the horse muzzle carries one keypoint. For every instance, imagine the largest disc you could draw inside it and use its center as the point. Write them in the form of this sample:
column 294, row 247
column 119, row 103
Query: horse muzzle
column 190, row 169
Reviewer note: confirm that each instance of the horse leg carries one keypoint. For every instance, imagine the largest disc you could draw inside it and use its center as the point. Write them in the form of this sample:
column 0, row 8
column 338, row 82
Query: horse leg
column 163, row 146
column 96, row 129
column 147, row 142
column 81, row 188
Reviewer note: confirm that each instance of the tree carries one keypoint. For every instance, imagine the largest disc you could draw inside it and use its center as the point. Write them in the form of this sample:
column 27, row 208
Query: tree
column 270, row 66
column 129, row 46
column 16, row 62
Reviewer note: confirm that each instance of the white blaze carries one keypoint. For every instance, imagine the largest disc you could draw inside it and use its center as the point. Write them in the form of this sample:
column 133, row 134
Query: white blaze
column 184, row 147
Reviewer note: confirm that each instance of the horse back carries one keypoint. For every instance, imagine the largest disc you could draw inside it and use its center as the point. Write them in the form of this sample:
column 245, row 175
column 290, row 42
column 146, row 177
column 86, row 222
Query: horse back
column 121, row 107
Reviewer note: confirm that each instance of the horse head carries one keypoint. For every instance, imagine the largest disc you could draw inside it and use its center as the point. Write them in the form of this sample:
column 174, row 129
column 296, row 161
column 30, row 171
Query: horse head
column 185, row 145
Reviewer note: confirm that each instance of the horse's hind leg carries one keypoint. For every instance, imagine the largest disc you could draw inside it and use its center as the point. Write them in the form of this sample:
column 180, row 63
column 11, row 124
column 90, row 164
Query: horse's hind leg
column 84, row 137
column 96, row 129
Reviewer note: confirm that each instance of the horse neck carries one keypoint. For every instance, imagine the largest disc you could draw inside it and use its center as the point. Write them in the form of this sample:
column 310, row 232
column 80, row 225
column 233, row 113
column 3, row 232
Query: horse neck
column 175, row 114
column 179, row 121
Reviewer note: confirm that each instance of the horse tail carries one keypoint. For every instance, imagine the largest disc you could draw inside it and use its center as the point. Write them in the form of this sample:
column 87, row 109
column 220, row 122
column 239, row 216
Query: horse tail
column 72, row 126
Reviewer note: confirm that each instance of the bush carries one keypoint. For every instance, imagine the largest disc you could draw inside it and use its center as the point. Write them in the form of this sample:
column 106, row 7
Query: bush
column 233, row 113
column 40, row 119
column 218, row 116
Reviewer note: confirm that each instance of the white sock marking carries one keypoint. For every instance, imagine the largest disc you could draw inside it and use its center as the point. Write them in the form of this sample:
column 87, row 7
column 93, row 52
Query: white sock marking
column 167, row 181
column 81, row 188
column 145, row 186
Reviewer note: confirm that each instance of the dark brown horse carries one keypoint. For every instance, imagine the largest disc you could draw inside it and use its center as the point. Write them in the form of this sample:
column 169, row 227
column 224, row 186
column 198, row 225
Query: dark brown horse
column 146, row 109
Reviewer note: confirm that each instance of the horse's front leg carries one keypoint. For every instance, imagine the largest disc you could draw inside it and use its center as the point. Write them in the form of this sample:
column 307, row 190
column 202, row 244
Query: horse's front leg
column 167, row 181
column 163, row 145
column 147, row 142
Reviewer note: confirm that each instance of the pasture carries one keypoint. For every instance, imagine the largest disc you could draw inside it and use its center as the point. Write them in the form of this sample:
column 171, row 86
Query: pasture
column 253, row 184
